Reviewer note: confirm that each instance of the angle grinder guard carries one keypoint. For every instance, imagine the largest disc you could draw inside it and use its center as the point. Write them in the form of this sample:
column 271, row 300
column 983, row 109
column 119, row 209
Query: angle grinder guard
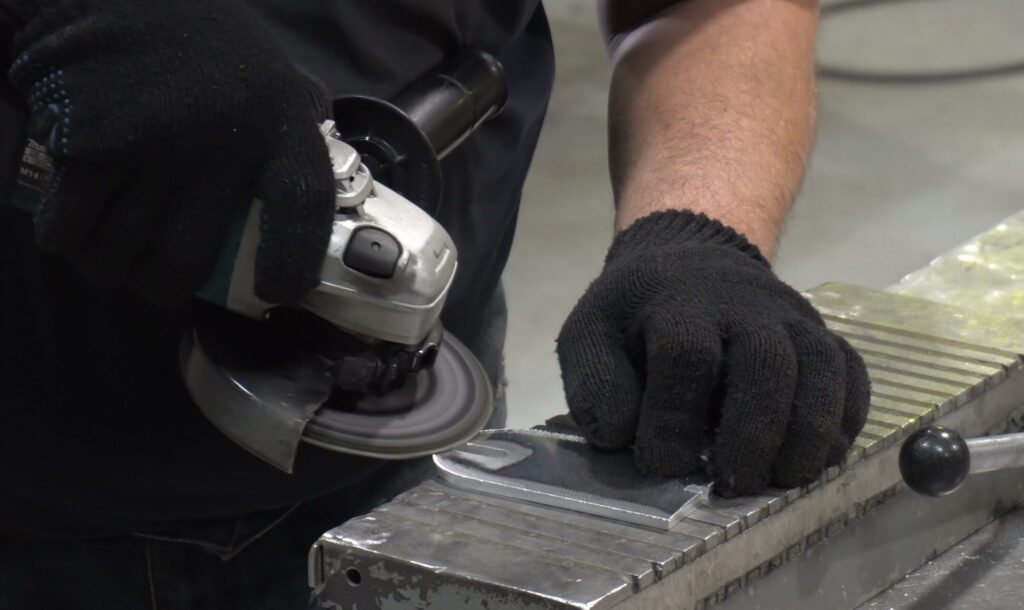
column 268, row 392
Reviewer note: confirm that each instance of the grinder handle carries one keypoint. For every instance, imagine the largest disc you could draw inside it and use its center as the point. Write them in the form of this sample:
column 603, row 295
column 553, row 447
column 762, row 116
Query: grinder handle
column 402, row 140
column 452, row 100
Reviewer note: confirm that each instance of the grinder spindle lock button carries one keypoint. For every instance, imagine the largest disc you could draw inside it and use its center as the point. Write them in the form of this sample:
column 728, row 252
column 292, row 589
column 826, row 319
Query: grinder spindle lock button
column 372, row 251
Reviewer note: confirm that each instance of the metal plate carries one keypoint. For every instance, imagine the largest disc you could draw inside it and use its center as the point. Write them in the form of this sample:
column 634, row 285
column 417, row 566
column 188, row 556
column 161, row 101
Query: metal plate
column 564, row 471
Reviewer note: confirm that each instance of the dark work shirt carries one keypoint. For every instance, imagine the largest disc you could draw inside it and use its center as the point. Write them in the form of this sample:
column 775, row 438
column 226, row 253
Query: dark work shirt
column 97, row 434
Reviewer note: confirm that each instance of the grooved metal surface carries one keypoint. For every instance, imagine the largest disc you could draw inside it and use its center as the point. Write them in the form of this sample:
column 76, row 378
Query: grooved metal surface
column 434, row 539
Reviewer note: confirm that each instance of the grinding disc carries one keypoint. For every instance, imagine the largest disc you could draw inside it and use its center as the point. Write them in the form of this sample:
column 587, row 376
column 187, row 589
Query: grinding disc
column 441, row 407
column 262, row 391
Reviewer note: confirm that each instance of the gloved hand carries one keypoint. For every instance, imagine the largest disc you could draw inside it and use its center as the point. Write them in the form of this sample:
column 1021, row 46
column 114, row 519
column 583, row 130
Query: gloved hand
column 688, row 341
column 165, row 118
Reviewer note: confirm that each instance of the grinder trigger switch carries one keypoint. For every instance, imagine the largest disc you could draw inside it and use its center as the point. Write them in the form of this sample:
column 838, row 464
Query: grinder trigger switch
column 372, row 251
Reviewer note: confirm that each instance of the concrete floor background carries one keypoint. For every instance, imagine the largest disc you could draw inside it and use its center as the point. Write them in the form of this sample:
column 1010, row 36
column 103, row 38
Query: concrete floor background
column 900, row 173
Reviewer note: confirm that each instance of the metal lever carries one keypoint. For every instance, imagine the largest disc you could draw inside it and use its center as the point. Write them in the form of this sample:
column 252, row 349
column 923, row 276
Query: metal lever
column 934, row 461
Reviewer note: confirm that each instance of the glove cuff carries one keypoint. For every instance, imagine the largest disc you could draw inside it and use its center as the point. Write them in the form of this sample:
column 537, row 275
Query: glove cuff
column 679, row 228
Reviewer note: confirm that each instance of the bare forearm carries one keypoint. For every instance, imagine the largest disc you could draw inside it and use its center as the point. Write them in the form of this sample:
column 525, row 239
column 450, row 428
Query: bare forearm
column 712, row 110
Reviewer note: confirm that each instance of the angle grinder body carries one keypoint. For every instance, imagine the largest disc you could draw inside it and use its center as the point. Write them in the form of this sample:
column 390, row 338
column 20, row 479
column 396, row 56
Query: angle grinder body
column 361, row 365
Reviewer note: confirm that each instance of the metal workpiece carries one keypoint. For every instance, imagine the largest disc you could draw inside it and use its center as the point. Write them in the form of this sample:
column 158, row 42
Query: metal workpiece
column 545, row 467
column 436, row 543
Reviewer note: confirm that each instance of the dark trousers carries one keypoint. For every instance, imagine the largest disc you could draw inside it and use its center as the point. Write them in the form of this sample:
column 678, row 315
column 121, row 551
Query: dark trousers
column 255, row 562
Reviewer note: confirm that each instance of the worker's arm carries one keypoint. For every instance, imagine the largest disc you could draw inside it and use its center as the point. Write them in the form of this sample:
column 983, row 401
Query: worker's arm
column 712, row 108
column 687, row 347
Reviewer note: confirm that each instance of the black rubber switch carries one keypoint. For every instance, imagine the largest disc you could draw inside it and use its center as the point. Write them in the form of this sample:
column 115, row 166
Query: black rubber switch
column 372, row 251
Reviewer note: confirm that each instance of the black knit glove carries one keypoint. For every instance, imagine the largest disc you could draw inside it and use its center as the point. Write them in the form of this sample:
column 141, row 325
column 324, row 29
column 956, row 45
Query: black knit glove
column 166, row 118
column 688, row 341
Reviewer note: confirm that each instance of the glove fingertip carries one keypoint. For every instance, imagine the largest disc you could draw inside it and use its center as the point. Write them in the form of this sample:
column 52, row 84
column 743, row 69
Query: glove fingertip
column 797, row 476
column 857, row 399
column 730, row 476
column 837, row 453
column 759, row 388
column 593, row 412
column 665, row 460
column 600, row 383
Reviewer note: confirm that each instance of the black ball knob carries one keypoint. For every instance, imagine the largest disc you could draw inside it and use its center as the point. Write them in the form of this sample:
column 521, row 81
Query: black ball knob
column 934, row 461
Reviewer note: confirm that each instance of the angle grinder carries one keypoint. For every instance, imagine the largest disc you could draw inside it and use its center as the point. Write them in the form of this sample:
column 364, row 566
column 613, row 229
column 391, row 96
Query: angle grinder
column 362, row 364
